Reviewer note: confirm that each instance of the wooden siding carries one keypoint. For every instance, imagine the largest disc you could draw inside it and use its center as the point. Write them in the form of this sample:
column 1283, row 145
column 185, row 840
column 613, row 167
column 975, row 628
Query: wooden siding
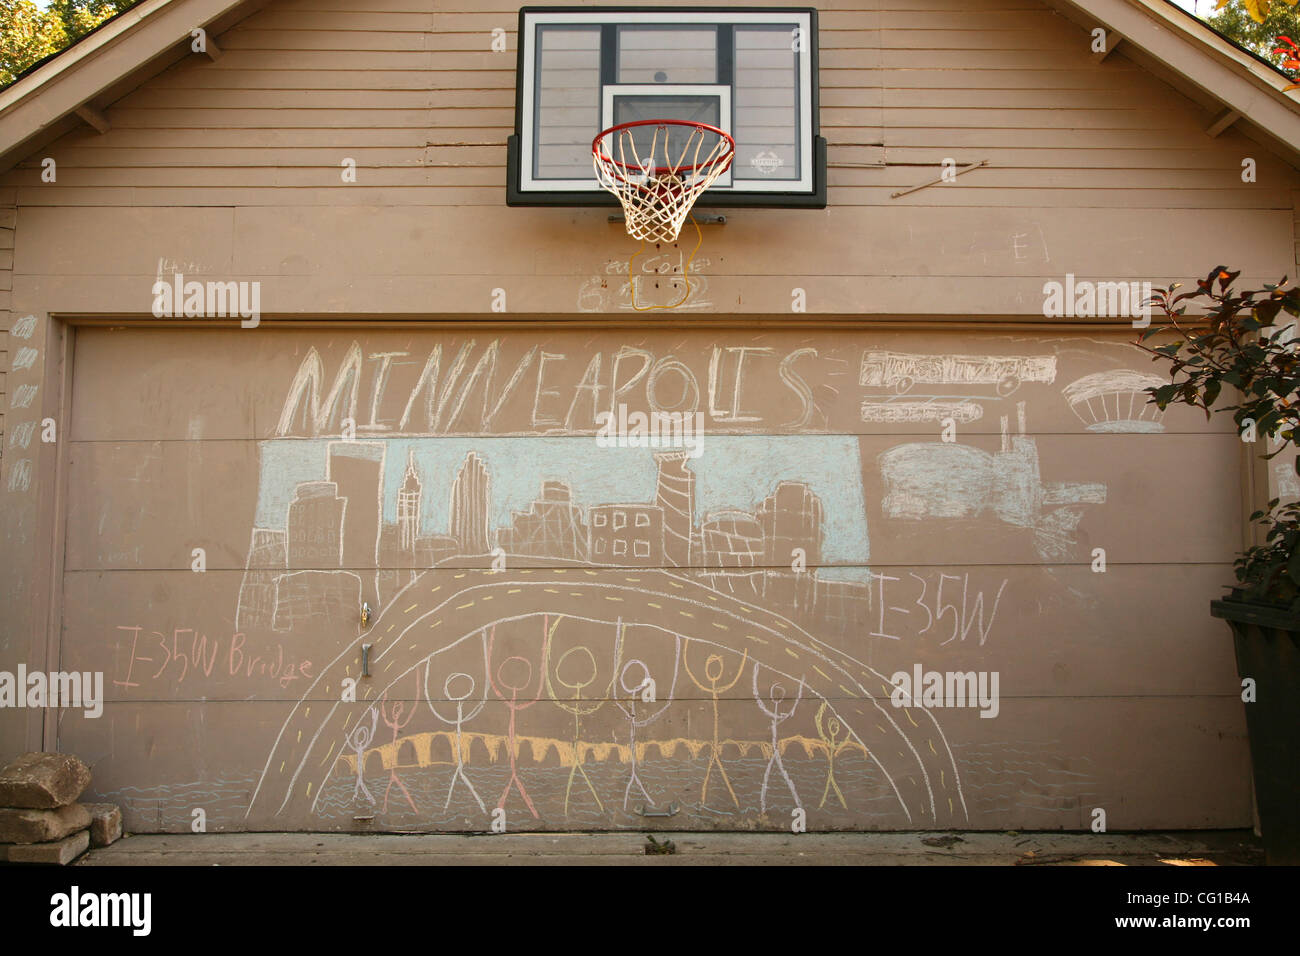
column 424, row 106
column 8, row 222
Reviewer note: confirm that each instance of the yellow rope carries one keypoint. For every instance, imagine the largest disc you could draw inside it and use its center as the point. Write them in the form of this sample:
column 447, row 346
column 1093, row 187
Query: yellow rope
column 686, row 272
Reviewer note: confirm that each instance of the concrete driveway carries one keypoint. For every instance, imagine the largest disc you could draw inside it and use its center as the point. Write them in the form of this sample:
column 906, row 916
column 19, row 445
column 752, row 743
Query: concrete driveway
column 1185, row 848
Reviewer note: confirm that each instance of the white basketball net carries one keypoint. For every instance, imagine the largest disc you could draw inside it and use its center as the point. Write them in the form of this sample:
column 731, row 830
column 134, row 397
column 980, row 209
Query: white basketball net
column 657, row 190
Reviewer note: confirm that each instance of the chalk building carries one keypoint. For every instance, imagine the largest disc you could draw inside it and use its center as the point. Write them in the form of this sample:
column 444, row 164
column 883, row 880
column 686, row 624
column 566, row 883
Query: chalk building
column 469, row 506
column 629, row 535
column 315, row 526
column 552, row 527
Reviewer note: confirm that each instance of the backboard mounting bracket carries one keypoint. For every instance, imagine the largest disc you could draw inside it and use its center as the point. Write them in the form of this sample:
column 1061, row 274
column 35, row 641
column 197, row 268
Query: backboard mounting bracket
column 704, row 219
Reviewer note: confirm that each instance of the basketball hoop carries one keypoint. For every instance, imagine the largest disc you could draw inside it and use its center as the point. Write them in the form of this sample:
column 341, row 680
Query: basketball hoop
column 659, row 187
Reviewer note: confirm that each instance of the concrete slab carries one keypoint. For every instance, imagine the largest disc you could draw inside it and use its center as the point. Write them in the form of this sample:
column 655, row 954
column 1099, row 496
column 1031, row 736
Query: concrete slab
column 1195, row 848
column 59, row 852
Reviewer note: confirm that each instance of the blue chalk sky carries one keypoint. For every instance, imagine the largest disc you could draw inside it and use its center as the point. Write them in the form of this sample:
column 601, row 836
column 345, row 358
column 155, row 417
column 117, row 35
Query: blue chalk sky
column 734, row 472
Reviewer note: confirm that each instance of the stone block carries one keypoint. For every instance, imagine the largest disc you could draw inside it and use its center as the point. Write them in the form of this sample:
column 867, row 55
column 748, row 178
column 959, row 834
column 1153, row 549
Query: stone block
column 43, row 781
column 105, row 823
column 41, row 826
column 60, row 851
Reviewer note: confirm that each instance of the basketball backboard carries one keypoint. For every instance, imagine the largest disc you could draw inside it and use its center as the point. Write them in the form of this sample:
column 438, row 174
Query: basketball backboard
column 751, row 72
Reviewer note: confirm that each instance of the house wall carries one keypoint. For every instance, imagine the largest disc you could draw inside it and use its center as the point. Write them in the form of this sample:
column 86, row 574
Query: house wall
column 1117, row 690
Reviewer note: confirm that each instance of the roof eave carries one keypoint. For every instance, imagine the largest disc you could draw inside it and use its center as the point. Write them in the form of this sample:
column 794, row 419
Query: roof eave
column 1199, row 56
column 138, row 43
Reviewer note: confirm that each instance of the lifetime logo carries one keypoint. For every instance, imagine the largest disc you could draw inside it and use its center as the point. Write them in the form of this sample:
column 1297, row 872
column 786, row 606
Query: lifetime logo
column 75, row 909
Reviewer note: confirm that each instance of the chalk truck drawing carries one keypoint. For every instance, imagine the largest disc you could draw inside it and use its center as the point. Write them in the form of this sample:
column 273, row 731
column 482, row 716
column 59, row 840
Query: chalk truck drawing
column 926, row 480
column 903, row 370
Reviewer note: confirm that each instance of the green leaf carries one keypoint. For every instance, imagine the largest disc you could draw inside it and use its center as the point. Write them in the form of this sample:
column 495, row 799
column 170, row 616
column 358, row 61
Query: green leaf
column 1212, row 388
column 1293, row 567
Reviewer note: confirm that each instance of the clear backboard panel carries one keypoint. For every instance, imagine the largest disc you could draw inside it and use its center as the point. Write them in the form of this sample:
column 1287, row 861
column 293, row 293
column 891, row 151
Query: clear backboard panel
column 750, row 72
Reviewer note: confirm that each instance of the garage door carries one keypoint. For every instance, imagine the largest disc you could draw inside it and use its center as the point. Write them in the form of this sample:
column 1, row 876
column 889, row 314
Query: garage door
column 446, row 580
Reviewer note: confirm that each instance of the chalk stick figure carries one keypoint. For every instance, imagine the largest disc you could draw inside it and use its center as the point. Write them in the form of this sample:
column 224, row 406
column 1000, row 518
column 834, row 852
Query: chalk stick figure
column 577, row 677
column 633, row 679
column 515, row 674
column 713, row 671
column 458, row 687
column 775, row 697
column 396, row 723
column 358, row 740
column 829, row 732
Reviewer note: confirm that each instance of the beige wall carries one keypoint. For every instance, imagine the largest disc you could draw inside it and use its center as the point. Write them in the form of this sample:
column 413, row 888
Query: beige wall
column 1117, row 689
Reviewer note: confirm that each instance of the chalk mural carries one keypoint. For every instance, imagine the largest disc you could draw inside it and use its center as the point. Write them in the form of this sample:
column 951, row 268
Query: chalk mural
column 940, row 480
column 902, row 371
column 1116, row 401
column 959, row 384
column 584, row 635
column 673, row 577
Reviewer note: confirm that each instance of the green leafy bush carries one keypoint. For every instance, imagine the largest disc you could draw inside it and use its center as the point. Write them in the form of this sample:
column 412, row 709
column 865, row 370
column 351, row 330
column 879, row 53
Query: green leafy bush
column 1241, row 343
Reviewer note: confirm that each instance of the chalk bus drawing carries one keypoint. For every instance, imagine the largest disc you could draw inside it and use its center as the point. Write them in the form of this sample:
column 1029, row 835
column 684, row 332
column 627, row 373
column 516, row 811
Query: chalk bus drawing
column 903, row 370
column 930, row 410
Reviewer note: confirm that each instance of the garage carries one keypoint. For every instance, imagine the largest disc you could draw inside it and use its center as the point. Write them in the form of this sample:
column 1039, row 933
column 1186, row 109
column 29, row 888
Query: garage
column 452, row 492
column 564, row 633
